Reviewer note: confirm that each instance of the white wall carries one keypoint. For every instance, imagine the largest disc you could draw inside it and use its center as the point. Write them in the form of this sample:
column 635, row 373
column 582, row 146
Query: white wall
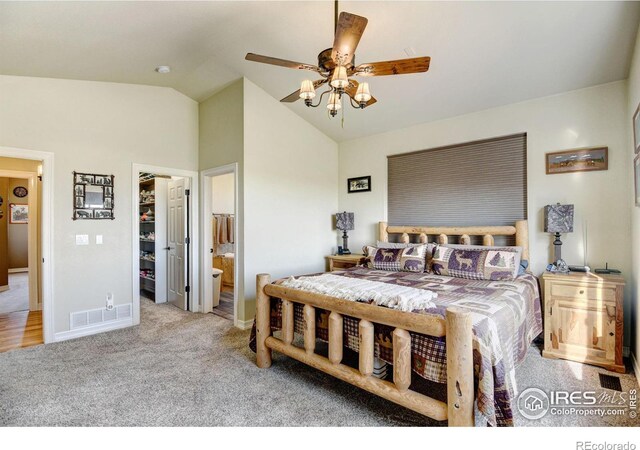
column 290, row 189
column 223, row 195
column 582, row 118
column 633, row 277
column 104, row 128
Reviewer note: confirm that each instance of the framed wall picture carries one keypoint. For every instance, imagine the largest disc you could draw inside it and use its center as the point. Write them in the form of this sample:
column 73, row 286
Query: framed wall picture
column 359, row 184
column 636, row 130
column 92, row 196
column 636, row 178
column 18, row 213
column 577, row 160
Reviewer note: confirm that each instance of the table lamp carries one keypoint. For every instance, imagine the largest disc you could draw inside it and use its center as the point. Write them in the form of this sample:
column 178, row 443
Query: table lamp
column 558, row 219
column 344, row 222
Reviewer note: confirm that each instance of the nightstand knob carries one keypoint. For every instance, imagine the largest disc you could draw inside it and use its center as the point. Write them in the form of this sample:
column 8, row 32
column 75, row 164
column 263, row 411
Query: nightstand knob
column 582, row 291
column 610, row 333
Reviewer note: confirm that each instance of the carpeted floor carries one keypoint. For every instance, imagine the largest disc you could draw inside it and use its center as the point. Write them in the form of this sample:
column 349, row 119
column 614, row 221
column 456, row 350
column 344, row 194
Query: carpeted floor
column 16, row 298
column 184, row 369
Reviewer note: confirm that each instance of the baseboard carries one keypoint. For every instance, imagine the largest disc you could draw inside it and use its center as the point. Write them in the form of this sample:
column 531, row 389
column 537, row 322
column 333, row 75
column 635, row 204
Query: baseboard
column 244, row 324
column 4, row 288
column 19, row 269
column 636, row 367
column 94, row 329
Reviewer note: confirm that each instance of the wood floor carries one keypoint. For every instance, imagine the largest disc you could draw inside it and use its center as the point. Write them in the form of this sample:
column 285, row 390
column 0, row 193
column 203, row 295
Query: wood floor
column 20, row 329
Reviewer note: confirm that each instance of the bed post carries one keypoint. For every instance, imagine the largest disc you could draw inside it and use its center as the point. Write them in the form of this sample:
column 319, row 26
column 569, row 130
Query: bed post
column 460, row 395
column 263, row 321
column 382, row 232
column 522, row 238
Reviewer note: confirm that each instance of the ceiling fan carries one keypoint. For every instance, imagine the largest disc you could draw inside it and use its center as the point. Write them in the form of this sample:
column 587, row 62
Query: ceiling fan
column 337, row 64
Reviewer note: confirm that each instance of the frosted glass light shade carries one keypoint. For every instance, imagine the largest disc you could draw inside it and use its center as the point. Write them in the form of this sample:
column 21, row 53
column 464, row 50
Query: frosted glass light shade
column 307, row 91
column 362, row 94
column 339, row 79
column 334, row 102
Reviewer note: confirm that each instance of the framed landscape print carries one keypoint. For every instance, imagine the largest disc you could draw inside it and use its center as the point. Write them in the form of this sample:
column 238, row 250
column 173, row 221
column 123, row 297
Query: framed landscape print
column 578, row 160
column 18, row 213
column 636, row 130
column 92, row 196
column 359, row 184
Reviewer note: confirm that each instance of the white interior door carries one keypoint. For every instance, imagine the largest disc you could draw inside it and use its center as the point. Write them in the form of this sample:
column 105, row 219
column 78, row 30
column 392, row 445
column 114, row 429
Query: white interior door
column 176, row 236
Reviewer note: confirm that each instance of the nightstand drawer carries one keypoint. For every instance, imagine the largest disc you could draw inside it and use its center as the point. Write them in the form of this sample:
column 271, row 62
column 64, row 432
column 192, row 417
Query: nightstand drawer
column 581, row 292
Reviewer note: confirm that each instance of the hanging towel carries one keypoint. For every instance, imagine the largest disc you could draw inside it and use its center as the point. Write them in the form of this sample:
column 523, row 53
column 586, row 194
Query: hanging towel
column 230, row 228
column 221, row 229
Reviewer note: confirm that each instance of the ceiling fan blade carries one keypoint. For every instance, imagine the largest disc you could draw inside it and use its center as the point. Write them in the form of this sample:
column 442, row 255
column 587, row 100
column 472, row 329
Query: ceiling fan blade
column 348, row 33
column 281, row 62
column 296, row 95
column 353, row 88
column 397, row 67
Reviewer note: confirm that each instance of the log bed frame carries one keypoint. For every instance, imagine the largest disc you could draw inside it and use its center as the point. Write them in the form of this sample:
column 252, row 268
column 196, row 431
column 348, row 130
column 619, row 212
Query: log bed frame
column 456, row 326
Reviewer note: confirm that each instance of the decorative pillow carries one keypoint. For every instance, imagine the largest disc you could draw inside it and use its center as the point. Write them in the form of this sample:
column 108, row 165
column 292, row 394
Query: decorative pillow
column 407, row 259
column 477, row 262
column 381, row 244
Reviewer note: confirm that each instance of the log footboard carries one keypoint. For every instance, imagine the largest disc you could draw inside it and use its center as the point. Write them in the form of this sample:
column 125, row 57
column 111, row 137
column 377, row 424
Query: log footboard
column 457, row 327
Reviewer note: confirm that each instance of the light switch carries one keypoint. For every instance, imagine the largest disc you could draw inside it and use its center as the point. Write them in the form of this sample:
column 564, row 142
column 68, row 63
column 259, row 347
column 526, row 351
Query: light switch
column 99, row 239
column 82, row 239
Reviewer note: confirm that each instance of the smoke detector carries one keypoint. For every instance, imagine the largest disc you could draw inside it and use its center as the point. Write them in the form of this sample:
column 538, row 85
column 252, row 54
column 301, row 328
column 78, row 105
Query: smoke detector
column 163, row 69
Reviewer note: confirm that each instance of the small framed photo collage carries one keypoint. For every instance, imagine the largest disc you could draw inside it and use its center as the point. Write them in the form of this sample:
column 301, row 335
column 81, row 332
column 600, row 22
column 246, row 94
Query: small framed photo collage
column 92, row 196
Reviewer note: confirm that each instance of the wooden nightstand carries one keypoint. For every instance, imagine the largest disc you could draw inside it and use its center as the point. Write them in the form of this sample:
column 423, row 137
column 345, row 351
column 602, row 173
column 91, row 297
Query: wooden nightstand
column 583, row 318
column 337, row 262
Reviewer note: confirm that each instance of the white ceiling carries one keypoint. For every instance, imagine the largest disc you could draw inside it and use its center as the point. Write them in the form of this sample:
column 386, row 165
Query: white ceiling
column 484, row 54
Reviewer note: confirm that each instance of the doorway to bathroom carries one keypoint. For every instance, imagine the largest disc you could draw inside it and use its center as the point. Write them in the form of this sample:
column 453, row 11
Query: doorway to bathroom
column 220, row 240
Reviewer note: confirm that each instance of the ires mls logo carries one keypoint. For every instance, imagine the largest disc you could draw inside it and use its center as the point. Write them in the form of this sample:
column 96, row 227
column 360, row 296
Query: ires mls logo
column 534, row 403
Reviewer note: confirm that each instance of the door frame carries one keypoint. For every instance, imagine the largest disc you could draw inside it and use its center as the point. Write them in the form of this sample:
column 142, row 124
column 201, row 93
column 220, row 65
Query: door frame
column 46, row 242
column 207, row 241
column 32, row 233
column 194, row 256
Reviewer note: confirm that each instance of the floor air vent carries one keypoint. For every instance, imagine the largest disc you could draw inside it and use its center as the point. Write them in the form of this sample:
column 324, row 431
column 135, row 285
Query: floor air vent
column 98, row 316
column 610, row 382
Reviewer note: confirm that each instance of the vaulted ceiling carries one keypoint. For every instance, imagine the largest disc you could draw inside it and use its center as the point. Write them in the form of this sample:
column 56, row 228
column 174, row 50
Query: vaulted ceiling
column 484, row 54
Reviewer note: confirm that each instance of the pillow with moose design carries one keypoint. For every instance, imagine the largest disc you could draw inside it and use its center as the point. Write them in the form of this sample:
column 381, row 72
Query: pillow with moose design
column 408, row 259
column 488, row 263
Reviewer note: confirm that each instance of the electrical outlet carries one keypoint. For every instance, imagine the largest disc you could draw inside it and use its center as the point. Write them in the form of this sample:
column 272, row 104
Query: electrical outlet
column 82, row 239
column 109, row 301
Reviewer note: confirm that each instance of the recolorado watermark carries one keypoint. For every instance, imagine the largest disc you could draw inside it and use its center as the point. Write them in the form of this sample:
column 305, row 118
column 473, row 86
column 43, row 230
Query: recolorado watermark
column 589, row 445
column 534, row 403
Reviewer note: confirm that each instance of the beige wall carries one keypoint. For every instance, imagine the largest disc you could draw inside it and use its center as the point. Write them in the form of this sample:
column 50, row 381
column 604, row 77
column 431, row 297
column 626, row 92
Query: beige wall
column 223, row 195
column 290, row 190
column 221, row 119
column 633, row 277
column 582, row 118
column 96, row 127
column 18, row 238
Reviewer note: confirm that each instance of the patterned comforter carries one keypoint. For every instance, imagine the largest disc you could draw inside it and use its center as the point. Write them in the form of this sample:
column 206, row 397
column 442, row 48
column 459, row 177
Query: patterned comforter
column 506, row 318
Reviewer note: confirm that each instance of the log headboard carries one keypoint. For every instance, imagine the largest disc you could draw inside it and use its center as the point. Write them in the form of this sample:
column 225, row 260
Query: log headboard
column 520, row 230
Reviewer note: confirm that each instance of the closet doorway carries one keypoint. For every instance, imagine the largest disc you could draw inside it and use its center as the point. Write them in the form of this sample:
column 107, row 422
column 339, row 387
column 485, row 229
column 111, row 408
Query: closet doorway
column 165, row 246
column 220, row 240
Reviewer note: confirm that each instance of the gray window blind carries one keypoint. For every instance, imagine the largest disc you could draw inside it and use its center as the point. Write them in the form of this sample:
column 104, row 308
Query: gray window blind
column 476, row 183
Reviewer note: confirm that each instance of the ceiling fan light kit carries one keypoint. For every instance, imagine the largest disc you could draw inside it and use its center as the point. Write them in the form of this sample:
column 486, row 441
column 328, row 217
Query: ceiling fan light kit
column 336, row 65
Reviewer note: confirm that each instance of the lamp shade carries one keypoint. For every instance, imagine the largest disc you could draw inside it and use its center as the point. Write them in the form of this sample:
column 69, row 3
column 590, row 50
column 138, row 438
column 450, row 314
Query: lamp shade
column 339, row 79
column 362, row 94
column 558, row 218
column 344, row 221
column 307, row 91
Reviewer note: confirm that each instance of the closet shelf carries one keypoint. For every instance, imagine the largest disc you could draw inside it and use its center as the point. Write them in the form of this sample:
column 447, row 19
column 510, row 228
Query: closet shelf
column 148, row 204
column 146, row 240
column 148, row 279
